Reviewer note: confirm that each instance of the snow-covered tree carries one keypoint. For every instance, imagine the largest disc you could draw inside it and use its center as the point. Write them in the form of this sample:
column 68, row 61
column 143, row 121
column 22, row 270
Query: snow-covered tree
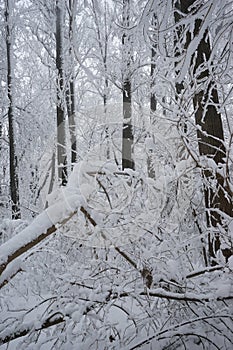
column 119, row 259
column 13, row 161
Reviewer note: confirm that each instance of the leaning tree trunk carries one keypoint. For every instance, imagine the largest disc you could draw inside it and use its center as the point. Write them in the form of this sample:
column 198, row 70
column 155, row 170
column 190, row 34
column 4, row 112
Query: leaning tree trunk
column 61, row 131
column 14, row 181
column 218, row 199
column 127, row 133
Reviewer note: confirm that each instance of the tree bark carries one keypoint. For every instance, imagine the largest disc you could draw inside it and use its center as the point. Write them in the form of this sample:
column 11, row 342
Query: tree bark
column 127, row 133
column 61, row 132
column 153, row 100
column 14, row 181
column 210, row 127
column 70, row 92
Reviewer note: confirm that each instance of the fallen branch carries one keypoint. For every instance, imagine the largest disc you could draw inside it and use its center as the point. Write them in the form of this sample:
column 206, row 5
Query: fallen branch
column 41, row 227
column 205, row 270
column 25, row 330
column 123, row 254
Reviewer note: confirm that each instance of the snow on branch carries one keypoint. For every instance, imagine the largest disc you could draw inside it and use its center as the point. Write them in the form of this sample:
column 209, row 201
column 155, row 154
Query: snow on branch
column 42, row 226
column 194, row 44
column 25, row 329
column 177, row 326
column 58, row 317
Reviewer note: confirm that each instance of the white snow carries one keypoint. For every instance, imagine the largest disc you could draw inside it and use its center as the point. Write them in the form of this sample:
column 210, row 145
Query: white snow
column 53, row 215
column 230, row 262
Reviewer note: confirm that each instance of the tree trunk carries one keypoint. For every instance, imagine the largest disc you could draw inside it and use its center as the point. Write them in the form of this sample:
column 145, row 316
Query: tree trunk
column 211, row 144
column 14, row 181
column 127, row 134
column 210, row 129
column 61, row 132
column 106, row 85
column 153, row 102
column 103, row 47
column 70, row 92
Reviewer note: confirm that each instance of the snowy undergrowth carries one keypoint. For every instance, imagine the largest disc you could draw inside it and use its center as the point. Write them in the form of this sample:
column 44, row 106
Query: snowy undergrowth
column 102, row 298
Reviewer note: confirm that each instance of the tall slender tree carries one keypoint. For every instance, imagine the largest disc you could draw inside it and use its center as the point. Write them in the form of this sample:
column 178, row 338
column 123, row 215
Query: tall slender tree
column 127, row 134
column 14, row 180
column 103, row 30
column 153, row 100
column 61, row 119
column 70, row 90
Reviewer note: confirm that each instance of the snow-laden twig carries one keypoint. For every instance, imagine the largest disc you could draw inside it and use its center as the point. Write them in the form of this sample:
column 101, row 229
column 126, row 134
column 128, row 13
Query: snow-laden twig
column 59, row 317
column 177, row 326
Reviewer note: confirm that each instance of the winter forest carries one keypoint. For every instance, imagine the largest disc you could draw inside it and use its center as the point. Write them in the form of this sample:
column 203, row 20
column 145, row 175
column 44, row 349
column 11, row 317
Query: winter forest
column 116, row 174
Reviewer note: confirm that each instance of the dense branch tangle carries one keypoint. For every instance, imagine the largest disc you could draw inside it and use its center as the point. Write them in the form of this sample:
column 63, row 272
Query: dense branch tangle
column 59, row 317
